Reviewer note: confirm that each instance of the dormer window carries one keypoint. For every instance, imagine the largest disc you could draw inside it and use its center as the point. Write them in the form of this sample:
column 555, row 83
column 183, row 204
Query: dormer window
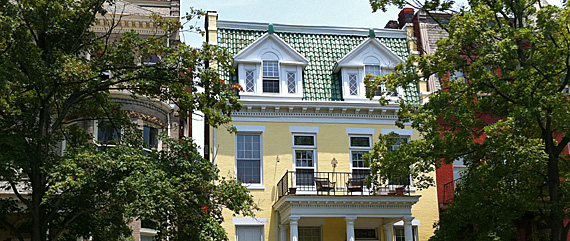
column 370, row 57
column 375, row 71
column 270, row 76
column 270, row 68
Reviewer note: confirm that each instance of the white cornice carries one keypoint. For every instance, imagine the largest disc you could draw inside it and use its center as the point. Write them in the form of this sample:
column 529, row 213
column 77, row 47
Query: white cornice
column 340, row 206
column 291, row 28
column 364, row 104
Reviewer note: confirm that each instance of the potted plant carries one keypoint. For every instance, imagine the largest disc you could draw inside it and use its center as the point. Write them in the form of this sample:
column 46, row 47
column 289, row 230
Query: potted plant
column 400, row 191
column 292, row 190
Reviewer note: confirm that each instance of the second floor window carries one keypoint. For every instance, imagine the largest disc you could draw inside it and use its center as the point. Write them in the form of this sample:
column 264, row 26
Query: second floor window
column 359, row 145
column 248, row 158
column 270, row 77
column 398, row 180
column 304, row 148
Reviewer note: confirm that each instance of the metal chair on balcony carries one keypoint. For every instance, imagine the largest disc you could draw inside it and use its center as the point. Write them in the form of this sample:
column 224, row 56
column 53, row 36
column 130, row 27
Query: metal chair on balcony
column 324, row 185
column 355, row 185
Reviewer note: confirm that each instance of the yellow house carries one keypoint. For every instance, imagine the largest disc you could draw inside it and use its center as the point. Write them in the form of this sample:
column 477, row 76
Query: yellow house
column 302, row 131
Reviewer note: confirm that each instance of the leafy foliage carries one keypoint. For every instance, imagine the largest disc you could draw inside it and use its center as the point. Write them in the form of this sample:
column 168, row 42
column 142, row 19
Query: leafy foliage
column 54, row 81
column 506, row 117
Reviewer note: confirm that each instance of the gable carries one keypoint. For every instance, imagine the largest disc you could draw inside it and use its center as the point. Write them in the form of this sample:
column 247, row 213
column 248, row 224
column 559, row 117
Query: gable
column 371, row 51
column 270, row 47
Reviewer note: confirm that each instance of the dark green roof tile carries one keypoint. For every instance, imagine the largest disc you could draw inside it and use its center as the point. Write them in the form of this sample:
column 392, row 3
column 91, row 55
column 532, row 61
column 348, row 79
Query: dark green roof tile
column 322, row 51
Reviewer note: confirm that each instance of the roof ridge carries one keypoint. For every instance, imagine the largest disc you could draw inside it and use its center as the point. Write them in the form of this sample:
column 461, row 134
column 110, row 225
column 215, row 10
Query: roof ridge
column 312, row 29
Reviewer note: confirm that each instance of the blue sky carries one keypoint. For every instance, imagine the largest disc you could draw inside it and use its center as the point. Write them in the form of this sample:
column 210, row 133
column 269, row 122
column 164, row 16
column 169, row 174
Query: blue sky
column 351, row 13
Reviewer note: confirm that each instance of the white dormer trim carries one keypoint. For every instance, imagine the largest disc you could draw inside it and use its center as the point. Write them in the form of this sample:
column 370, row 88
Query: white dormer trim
column 284, row 80
column 279, row 47
column 370, row 52
column 371, row 47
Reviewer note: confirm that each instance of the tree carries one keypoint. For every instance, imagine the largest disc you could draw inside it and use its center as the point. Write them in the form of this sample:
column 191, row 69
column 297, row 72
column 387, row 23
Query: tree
column 506, row 117
column 52, row 79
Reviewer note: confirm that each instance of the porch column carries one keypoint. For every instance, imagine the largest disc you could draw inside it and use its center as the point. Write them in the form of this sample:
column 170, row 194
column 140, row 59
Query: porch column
column 408, row 229
column 283, row 232
column 350, row 228
column 387, row 232
column 293, row 225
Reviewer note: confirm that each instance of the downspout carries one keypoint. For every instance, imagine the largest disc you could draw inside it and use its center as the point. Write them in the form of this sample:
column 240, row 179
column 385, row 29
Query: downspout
column 215, row 147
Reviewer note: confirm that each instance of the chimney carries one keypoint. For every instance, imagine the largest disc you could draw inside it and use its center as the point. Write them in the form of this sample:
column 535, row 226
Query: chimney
column 211, row 27
column 405, row 16
column 392, row 24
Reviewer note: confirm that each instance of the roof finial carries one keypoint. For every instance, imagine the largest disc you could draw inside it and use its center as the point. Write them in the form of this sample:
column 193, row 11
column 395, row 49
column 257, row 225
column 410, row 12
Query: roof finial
column 371, row 33
column 270, row 28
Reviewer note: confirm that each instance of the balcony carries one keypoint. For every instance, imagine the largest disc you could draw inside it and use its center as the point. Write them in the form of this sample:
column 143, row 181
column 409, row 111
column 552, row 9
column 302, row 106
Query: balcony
column 336, row 184
column 449, row 192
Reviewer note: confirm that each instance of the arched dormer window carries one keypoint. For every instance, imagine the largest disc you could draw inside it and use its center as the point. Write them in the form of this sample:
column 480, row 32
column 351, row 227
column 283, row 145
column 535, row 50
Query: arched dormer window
column 270, row 68
column 369, row 57
column 270, row 73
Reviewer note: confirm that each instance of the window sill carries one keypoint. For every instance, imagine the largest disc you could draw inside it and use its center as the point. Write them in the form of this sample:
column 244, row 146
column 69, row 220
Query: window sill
column 253, row 186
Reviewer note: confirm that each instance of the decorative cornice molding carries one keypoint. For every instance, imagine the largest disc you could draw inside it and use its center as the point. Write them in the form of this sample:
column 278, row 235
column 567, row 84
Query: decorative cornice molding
column 314, row 115
column 292, row 28
column 331, row 202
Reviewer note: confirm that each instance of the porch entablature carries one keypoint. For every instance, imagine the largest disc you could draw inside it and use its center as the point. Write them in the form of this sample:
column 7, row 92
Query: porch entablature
column 335, row 206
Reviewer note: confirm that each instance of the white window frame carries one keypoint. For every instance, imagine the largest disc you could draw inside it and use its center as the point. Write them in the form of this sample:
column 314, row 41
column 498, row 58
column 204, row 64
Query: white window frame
column 414, row 232
column 259, row 185
column 411, row 186
column 312, row 227
column 271, row 78
column 96, row 134
column 360, row 149
column 377, row 234
column 294, row 73
column 254, row 84
column 304, row 148
column 262, row 227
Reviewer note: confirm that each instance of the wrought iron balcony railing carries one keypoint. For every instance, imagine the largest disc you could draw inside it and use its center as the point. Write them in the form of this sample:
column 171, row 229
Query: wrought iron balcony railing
column 335, row 183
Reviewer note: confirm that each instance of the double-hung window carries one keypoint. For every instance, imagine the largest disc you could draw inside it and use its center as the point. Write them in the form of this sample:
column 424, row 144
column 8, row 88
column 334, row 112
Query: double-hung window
column 270, row 76
column 375, row 71
column 304, row 152
column 399, row 180
column 248, row 158
column 150, row 135
column 400, row 234
column 249, row 233
column 107, row 132
column 359, row 145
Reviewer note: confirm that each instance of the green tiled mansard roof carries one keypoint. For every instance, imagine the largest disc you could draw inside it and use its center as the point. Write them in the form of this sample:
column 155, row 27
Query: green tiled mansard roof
column 322, row 51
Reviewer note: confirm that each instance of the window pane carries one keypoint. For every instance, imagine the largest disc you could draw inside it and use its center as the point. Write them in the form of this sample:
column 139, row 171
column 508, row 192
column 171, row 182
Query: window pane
column 304, row 141
column 357, row 160
column 150, row 135
column 248, row 158
column 360, row 141
column 270, row 86
column 249, row 233
column 352, row 85
column 309, row 234
column 291, row 83
column 249, row 81
column 399, row 234
column 106, row 133
column 248, row 171
column 270, row 69
column 365, row 234
column 304, row 158
column 375, row 71
column 305, row 177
